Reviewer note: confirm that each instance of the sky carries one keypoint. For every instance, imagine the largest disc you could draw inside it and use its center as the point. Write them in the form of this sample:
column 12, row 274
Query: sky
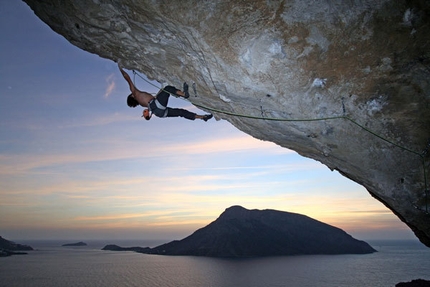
column 77, row 163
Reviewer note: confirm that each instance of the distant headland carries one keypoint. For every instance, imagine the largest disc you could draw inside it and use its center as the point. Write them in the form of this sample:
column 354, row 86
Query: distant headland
column 8, row 248
column 239, row 233
column 113, row 247
column 80, row 243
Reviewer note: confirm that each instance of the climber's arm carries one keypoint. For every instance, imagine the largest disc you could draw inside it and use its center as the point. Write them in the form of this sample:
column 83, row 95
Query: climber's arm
column 127, row 78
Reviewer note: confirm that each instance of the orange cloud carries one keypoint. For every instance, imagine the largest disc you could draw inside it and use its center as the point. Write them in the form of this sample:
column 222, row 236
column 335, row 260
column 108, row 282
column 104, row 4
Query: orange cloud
column 113, row 149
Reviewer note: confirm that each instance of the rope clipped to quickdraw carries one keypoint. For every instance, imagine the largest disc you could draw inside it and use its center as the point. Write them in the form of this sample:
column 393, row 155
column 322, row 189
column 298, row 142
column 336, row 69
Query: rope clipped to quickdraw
column 134, row 75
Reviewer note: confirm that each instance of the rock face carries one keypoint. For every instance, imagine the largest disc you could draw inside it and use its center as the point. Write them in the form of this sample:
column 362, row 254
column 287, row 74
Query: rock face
column 239, row 232
column 343, row 82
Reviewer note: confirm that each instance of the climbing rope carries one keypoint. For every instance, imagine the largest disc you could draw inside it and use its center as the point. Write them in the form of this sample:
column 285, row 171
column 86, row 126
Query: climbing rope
column 421, row 155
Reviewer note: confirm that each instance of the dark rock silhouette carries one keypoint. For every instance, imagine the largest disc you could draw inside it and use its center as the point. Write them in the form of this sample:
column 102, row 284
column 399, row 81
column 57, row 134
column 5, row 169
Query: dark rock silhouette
column 8, row 248
column 414, row 283
column 239, row 232
column 113, row 247
column 75, row 244
column 10, row 245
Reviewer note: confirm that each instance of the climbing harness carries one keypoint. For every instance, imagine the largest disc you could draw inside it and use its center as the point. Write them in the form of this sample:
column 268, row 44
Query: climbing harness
column 157, row 108
column 344, row 117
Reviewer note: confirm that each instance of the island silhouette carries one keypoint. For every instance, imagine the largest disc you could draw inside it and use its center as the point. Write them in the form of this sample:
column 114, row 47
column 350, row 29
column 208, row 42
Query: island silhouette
column 239, row 232
column 80, row 243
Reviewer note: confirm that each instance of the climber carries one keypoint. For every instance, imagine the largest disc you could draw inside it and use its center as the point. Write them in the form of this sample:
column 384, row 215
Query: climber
column 158, row 105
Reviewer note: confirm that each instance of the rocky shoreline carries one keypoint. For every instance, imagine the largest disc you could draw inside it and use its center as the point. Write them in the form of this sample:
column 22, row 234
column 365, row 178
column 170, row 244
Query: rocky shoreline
column 9, row 248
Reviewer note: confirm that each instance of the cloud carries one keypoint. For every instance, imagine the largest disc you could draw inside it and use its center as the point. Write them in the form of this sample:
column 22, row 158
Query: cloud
column 102, row 120
column 110, row 85
column 110, row 217
column 113, row 148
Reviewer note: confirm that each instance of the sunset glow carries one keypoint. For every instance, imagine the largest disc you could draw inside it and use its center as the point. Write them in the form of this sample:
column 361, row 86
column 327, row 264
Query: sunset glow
column 76, row 162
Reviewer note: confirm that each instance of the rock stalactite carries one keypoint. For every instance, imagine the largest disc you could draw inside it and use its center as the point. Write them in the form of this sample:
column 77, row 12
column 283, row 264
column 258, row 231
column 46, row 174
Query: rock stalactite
column 361, row 68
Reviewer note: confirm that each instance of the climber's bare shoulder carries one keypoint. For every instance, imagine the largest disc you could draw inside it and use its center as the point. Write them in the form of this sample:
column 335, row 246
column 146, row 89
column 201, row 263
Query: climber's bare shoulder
column 143, row 98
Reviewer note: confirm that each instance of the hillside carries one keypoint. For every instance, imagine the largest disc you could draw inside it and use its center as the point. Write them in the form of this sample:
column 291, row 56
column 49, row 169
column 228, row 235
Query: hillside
column 12, row 246
column 239, row 232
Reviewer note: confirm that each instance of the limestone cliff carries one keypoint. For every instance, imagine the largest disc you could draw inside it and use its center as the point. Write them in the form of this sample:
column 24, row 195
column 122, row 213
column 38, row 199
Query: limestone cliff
column 360, row 67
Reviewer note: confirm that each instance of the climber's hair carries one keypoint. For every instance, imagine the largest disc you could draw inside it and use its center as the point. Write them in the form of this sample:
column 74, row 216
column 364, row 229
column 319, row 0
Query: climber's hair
column 131, row 101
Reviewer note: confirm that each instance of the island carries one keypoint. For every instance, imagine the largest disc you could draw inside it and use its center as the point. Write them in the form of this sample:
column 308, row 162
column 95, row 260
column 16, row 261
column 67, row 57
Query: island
column 242, row 233
column 113, row 247
column 8, row 248
column 80, row 243
column 414, row 283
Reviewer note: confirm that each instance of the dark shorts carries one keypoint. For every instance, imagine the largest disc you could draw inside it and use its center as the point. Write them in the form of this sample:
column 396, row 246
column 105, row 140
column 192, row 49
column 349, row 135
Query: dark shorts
column 163, row 100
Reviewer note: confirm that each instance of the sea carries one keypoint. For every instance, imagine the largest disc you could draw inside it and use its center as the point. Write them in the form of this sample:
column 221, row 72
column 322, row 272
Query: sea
column 50, row 264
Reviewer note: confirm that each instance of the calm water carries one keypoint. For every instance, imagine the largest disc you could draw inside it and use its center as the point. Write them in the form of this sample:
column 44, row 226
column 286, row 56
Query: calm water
column 52, row 265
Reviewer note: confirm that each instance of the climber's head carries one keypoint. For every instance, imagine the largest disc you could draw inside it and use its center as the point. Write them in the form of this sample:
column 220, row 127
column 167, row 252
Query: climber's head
column 131, row 101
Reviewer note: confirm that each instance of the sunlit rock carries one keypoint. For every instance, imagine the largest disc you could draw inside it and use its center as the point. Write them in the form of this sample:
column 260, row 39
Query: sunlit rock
column 361, row 68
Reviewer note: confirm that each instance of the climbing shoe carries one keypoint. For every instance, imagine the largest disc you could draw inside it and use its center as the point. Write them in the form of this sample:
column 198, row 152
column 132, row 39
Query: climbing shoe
column 207, row 117
column 187, row 94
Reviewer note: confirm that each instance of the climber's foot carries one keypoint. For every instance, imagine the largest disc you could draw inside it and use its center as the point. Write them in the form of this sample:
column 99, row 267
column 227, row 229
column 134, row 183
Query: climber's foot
column 207, row 117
